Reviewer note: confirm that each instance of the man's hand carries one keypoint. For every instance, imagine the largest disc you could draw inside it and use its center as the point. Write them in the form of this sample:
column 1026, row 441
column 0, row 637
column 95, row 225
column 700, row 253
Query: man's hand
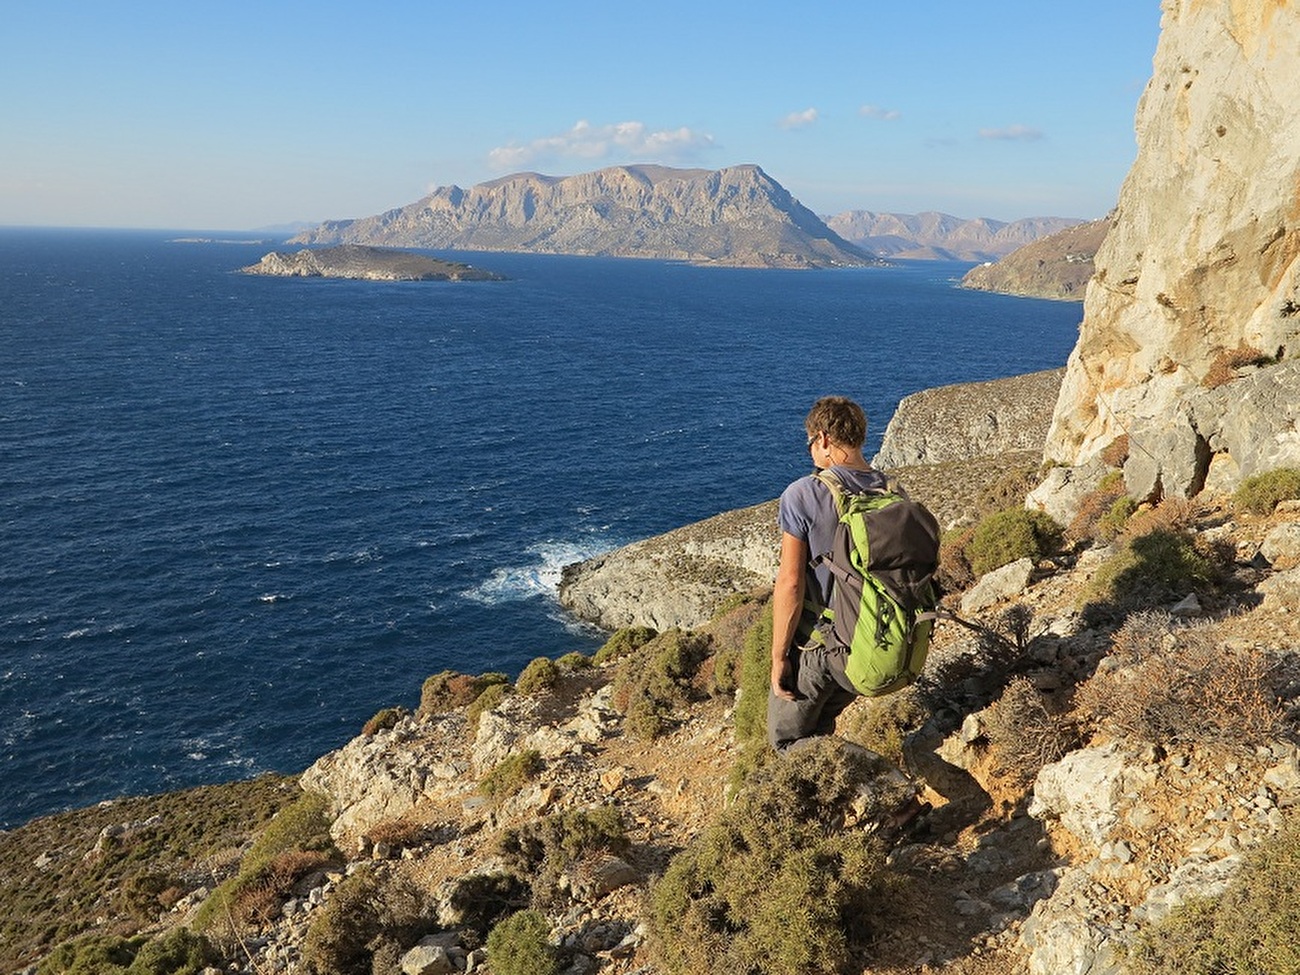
column 783, row 679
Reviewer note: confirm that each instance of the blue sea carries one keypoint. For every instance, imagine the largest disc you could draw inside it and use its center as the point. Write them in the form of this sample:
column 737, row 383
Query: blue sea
column 239, row 515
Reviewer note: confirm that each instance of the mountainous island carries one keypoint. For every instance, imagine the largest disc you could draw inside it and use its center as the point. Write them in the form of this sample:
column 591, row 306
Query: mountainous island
column 934, row 236
column 736, row 217
column 362, row 263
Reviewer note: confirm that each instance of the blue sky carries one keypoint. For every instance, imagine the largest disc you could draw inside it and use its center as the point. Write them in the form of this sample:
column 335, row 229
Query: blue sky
column 235, row 115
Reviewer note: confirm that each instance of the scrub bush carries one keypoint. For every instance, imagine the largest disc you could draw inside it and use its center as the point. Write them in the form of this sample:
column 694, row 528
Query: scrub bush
column 623, row 642
column 652, row 686
column 450, row 689
column 1006, row 536
column 544, row 849
column 574, row 661
column 179, row 952
column 491, row 696
column 777, row 884
column 540, row 675
column 509, row 776
column 294, row 843
column 520, row 945
column 1170, row 682
column 383, row 721
column 1027, row 731
column 368, row 916
column 1250, row 930
column 1261, row 493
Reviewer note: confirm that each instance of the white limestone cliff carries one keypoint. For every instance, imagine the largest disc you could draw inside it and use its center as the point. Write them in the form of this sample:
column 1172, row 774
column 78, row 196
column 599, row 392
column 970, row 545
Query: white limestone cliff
column 1197, row 290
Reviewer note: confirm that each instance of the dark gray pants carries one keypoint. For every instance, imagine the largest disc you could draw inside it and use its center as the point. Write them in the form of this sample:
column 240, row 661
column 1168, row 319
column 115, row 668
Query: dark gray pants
column 822, row 692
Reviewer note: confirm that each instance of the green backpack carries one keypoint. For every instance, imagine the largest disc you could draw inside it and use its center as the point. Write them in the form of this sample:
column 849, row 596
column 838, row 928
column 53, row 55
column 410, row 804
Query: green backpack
column 883, row 594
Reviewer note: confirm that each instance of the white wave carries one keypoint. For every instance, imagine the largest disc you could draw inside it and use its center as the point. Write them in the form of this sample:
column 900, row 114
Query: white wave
column 77, row 634
column 272, row 597
column 538, row 574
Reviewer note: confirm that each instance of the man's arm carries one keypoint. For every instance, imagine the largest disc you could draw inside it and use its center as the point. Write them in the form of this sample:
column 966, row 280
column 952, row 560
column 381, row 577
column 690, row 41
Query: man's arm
column 787, row 605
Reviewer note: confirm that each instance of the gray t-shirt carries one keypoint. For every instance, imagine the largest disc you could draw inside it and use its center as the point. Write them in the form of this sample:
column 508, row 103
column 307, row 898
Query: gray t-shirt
column 807, row 511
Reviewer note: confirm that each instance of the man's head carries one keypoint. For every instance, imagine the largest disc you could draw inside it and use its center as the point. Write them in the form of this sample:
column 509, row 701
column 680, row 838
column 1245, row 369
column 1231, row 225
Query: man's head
column 841, row 419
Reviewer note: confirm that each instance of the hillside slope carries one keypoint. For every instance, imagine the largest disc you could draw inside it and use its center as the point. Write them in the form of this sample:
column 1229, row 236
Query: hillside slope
column 940, row 236
column 1058, row 266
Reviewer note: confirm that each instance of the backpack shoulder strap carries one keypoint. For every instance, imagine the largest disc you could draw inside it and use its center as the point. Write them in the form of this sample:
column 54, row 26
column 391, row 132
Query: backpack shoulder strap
column 833, row 484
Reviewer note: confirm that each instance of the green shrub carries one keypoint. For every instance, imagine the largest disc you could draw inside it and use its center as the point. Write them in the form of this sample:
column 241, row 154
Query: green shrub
column 623, row 642
column 509, row 776
column 1103, row 511
column 179, row 952
column 750, row 715
column 367, row 916
column 294, row 843
column 383, row 720
column 720, row 674
column 450, row 689
column 1261, row 493
column 491, row 696
column 540, row 675
column 1250, row 930
column 477, row 901
column 574, row 661
column 777, row 884
column 544, row 849
column 1009, row 535
column 520, row 945
column 883, row 723
column 96, row 954
column 1150, row 568
column 652, row 686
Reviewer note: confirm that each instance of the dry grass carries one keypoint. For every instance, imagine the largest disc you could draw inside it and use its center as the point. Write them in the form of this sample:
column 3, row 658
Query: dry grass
column 1026, row 731
column 1225, row 366
column 1165, row 681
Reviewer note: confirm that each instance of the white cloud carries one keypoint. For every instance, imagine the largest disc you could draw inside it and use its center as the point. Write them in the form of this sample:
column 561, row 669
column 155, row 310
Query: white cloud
column 799, row 120
column 876, row 112
column 1016, row 133
column 587, row 141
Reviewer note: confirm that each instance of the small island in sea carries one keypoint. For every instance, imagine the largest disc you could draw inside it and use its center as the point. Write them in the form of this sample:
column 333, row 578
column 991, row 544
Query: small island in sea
column 365, row 264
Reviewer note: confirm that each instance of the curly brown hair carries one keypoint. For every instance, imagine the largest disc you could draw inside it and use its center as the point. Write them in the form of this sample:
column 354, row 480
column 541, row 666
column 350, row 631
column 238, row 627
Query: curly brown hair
column 839, row 418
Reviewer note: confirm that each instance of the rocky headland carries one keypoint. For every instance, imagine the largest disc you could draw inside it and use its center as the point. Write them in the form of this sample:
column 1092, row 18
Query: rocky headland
column 1058, row 266
column 737, row 216
column 362, row 263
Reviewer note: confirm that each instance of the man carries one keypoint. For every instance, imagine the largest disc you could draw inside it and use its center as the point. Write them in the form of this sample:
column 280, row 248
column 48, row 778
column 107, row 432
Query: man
column 809, row 686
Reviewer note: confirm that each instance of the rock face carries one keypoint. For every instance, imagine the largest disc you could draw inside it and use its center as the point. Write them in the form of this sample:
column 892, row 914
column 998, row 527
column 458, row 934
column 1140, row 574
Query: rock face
column 1196, row 297
column 365, row 263
column 1058, row 266
column 970, row 420
column 736, row 216
column 679, row 578
column 940, row 236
